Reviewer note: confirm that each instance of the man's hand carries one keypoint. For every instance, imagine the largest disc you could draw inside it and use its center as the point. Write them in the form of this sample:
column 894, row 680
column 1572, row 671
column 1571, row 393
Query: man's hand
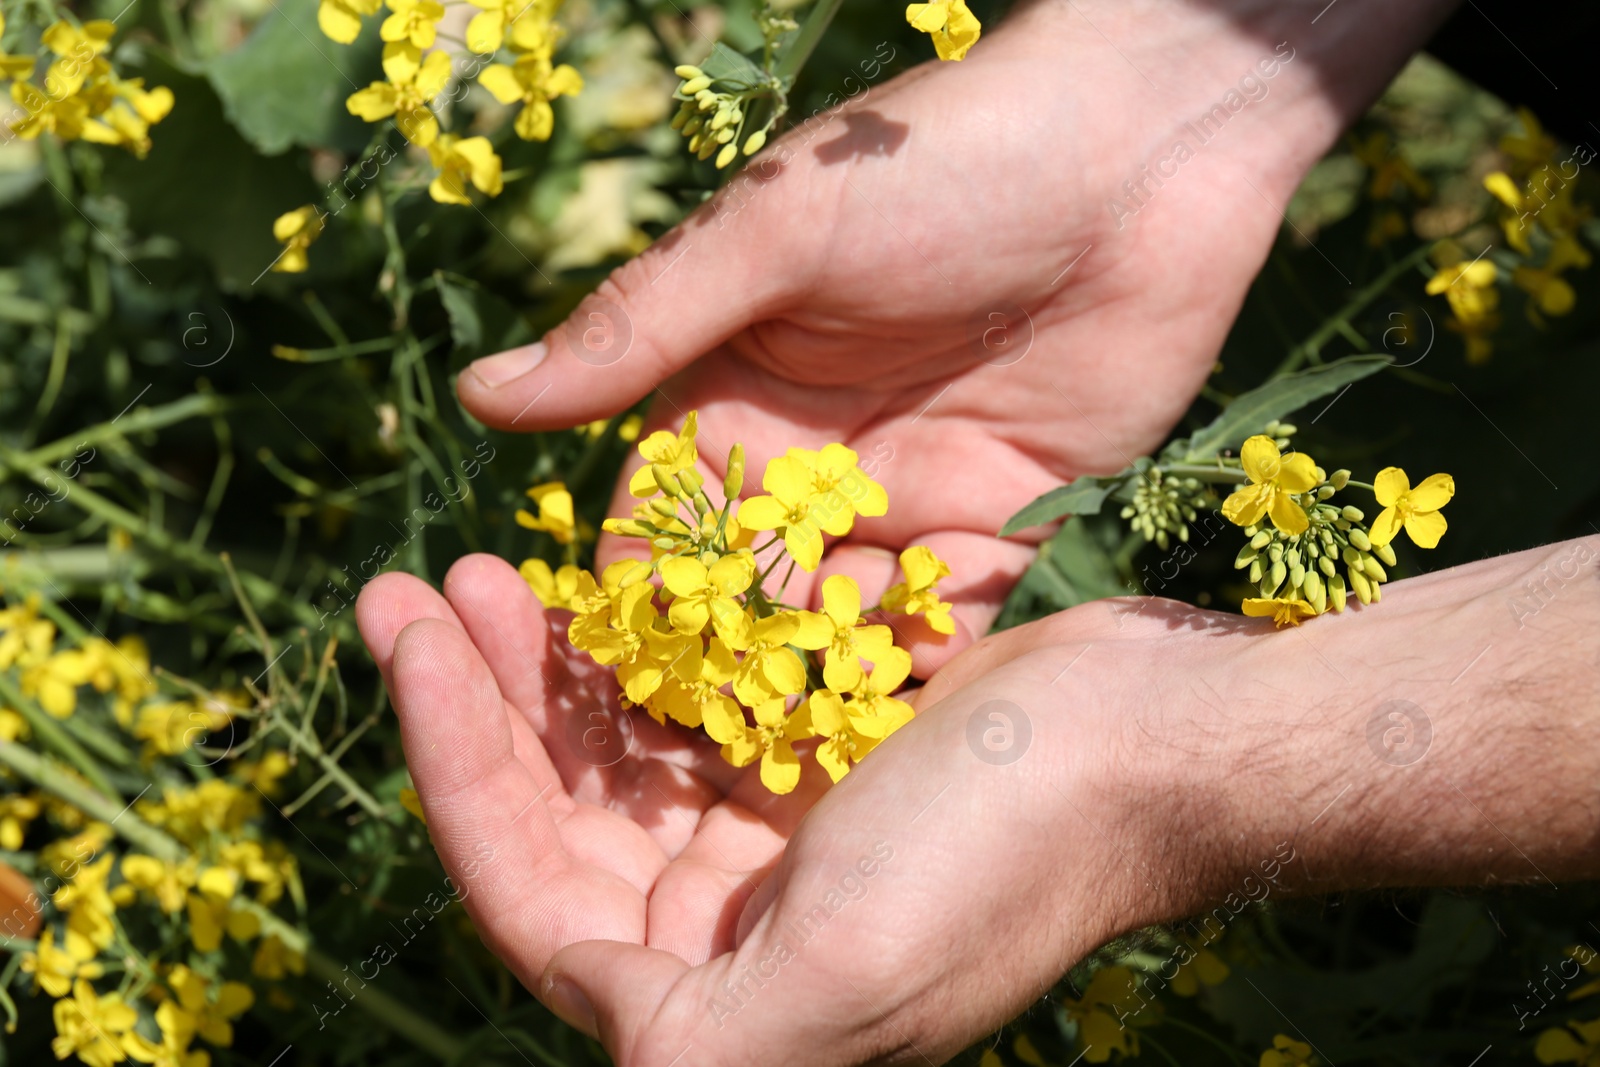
column 1124, row 763
column 853, row 283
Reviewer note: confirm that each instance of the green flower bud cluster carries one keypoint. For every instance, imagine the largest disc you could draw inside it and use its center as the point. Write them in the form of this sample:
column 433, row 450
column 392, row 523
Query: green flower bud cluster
column 1164, row 506
column 714, row 119
column 1323, row 565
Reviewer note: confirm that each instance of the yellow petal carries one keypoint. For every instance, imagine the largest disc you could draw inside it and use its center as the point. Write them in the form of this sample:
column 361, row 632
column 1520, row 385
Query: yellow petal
column 1385, row 526
column 1434, row 493
column 536, row 121
column 1245, row 506
column 1287, row 515
column 1298, row 473
column 1425, row 528
column 504, row 87
column 759, row 512
column 841, row 600
column 804, row 545
column 780, row 768
column 928, row 18
column 787, row 479
column 1390, row 485
column 486, row 31
column 1260, row 458
column 374, row 103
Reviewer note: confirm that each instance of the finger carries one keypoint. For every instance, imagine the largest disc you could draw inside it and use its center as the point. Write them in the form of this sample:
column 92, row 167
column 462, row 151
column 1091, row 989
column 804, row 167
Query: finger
column 504, row 619
column 389, row 603
column 698, row 286
column 487, row 813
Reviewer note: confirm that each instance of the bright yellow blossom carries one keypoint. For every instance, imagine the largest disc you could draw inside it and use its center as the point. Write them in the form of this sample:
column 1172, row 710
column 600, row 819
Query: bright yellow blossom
column 533, row 82
column 667, row 453
column 692, row 694
column 273, row 959
column 213, row 1018
column 838, row 629
column 295, row 230
column 771, row 741
column 555, row 517
column 462, row 161
column 1415, row 509
column 558, row 588
column 1283, row 611
column 703, row 595
column 167, row 882
column 527, row 20
column 18, row 67
column 953, row 27
column 413, row 82
column 1203, row 968
column 54, row 683
column 16, row 812
column 56, row 968
column 873, row 708
column 923, row 571
column 177, row 1032
column 415, row 21
column 89, row 1026
column 787, row 507
column 848, row 734
column 1388, row 167
column 1101, row 1015
column 1275, row 479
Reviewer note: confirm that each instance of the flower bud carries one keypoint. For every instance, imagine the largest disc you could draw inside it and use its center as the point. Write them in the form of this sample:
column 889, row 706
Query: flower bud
column 665, row 544
column 1275, row 578
column 1261, row 539
column 1325, row 492
column 635, row 528
column 697, row 84
column 1275, row 552
column 664, row 479
column 1339, row 478
column 1352, row 513
column 1385, row 553
column 665, row 508
column 1129, row 511
column 1255, row 570
column 1362, row 587
column 1351, row 557
column 636, row 574
column 734, row 481
column 721, row 119
column 1246, row 556
column 1314, row 590
column 1358, row 538
column 1336, row 592
column 688, row 72
column 729, row 151
column 1374, row 570
column 724, row 136
column 1327, row 566
column 755, row 142
column 1297, row 575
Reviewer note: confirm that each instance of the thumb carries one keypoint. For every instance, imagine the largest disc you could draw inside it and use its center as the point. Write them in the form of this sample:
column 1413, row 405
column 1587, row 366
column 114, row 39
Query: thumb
column 718, row 271
column 613, row 991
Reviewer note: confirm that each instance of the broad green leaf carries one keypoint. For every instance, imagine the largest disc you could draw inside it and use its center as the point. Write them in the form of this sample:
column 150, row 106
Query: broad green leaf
column 287, row 83
column 480, row 322
column 1250, row 411
column 1082, row 496
column 724, row 64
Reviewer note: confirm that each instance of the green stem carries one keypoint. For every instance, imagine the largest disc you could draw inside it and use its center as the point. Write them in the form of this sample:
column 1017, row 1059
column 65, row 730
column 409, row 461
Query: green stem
column 1203, row 473
column 1340, row 322
column 52, row 735
column 195, row 406
column 805, row 42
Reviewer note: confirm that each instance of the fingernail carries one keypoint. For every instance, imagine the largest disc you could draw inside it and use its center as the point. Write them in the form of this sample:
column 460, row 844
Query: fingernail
column 569, row 1004
column 495, row 371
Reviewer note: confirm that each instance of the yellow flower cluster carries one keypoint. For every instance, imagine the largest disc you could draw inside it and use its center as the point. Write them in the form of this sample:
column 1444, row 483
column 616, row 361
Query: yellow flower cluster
column 1298, row 540
column 102, row 899
column 711, row 647
column 712, row 115
column 82, row 97
column 1540, row 220
column 415, row 74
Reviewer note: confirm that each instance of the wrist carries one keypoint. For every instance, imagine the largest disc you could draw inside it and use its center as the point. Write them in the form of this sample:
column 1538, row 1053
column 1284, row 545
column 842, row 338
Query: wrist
column 1446, row 736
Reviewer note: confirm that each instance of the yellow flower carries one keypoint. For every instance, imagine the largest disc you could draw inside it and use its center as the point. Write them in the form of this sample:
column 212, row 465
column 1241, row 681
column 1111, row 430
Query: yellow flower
column 213, row 1020
column 1283, row 611
column 1274, row 481
column 173, row 727
column 295, row 230
column 528, row 21
column 923, row 571
column 1204, row 968
column 1550, row 293
column 267, row 773
column 842, row 490
column 1416, row 509
column 55, row 969
column 211, row 911
column 771, row 741
column 16, row 812
column 1560, row 1046
column 557, row 589
column 872, row 706
column 341, row 19
column 952, row 26
column 787, row 507
column 555, row 516
column 463, row 160
column 838, row 629
column 1286, row 1052
column 667, row 452
column 24, row 637
column 1470, row 289
column 693, row 695
column 534, row 82
column 848, row 734
column 88, row 904
column 770, row 668
column 1101, row 1017
column 177, row 1031
column 274, row 959
column 54, row 683
column 88, row 1026
column 413, row 81
column 13, row 727
column 416, row 21
column 704, row 594
column 167, row 882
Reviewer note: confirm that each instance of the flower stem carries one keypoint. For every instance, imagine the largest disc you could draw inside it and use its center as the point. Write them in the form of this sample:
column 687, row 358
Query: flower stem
column 805, row 42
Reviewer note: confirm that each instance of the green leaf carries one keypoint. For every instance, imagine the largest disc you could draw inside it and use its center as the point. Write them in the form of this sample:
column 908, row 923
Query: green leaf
column 480, row 322
column 726, row 65
column 1081, row 496
column 1074, row 567
column 287, row 83
column 1250, row 411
